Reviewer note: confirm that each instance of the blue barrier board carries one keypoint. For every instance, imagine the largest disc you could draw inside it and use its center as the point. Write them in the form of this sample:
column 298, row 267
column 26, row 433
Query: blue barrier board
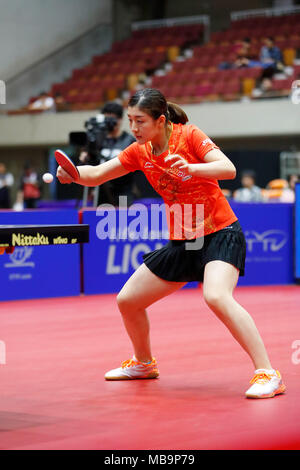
column 268, row 229
column 32, row 272
column 297, row 233
column 108, row 263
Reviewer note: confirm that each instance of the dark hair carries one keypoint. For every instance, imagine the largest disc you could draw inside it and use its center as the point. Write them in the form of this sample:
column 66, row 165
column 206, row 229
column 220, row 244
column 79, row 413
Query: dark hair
column 27, row 166
column 113, row 108
column 249, row 173
column 153, row 102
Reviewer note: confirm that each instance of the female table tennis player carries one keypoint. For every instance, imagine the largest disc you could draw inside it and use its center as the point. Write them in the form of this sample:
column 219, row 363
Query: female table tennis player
column 183, row 165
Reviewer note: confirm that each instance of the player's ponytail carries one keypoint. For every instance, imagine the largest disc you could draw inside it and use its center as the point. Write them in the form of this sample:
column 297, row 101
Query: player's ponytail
column 176, row 114
column 153, row 102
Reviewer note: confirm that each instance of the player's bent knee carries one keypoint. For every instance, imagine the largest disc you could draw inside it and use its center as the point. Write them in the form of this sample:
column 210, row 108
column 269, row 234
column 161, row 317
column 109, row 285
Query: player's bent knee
column 125, row 303
column 214, row 299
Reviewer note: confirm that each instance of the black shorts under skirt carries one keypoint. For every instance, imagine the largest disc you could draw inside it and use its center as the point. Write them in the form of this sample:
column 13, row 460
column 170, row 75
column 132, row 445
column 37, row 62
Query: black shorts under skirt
column 173, row 262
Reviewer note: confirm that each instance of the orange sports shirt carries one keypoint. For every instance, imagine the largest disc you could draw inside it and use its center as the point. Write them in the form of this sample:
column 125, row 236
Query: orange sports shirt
column 184, row 195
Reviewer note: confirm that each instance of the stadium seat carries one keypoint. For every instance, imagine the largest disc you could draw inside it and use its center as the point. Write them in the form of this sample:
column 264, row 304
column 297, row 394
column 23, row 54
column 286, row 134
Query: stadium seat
column 231, row 91
column 172, row 53
column 248, row 84
column 278, row 183
column 289, row 56
column 296, row 71
column 274, row 189
column 282, row 85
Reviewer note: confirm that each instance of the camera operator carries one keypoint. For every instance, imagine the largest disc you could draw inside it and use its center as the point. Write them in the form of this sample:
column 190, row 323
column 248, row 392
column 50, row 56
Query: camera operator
column 106, row 141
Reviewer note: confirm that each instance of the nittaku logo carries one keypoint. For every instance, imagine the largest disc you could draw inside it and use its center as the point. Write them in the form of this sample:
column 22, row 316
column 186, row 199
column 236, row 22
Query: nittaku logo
column 271, row 240
column 2, row 92
column 19, row 258
column 19, row 239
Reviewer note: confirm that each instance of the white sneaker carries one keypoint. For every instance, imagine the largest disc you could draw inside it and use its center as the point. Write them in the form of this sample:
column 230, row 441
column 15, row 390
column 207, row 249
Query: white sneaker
column 265, row 384
column 134, row 369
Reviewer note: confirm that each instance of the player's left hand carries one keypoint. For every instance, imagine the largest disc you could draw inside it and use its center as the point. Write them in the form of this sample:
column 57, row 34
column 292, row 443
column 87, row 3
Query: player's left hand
column 179, row 162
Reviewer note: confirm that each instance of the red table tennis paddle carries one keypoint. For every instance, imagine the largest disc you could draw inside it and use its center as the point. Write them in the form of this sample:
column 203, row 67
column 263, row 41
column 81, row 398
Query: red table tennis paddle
column 66, row 163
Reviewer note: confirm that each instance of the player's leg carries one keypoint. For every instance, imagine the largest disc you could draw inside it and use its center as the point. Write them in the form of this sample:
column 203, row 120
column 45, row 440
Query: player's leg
column 142, row 289
column 220, row 279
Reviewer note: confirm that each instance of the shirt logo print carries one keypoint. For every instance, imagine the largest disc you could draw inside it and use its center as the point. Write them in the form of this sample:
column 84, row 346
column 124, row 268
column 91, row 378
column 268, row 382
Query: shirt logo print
column 207, row 141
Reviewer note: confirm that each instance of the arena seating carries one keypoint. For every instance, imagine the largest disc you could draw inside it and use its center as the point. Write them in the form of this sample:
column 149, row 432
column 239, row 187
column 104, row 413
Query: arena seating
column 128, row 62
column 205, row 81
column 195, row 77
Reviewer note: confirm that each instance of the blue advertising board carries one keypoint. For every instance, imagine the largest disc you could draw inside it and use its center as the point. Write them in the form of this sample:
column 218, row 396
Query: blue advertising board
column 108, row 262
column 40, row 271
column 268, row 229
column 297, row 233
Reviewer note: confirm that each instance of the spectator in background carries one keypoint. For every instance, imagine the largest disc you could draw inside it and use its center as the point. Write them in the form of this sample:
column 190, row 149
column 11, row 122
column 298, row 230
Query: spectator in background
column 242, row 48
column 288, row 194
column 84, row 157
column 30, row 187
column 113, row 143
column 249, row 192
column 61, row 104
column 44, row 103
column 227, row 193
column 241, row 56
column 264, row 89
column 271, row 57
column 244, row 61
column 6, row 181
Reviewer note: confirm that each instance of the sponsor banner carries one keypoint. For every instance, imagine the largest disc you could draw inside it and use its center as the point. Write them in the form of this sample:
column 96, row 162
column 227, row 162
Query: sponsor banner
column 108, row 261
column 112, row 256
column 40, row 271
column 268, row 229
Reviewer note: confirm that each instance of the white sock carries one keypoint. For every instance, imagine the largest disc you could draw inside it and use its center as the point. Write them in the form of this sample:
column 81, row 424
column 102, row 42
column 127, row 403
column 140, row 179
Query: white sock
column 268, row 371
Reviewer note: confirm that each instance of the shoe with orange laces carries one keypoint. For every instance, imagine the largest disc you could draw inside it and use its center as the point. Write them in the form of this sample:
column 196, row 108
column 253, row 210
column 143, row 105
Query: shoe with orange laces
column 265, row 384
column 134, row 369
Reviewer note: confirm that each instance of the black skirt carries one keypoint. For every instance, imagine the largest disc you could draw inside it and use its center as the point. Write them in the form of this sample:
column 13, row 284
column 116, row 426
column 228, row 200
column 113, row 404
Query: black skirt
column 178, row 263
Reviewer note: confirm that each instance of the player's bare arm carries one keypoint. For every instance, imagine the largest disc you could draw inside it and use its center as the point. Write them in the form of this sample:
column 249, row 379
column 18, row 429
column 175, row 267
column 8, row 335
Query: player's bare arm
column 94, row 175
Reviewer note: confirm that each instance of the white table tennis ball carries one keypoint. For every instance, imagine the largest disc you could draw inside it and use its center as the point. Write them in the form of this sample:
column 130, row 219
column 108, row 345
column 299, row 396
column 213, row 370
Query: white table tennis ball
column 47, row 178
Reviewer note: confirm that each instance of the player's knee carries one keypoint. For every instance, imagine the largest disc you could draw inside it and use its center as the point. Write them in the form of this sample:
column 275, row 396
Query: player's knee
column 124, row 302
column 214, row 298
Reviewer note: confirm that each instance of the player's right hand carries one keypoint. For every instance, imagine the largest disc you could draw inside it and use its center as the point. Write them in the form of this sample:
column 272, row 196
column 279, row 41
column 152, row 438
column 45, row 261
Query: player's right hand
column 63, row 176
